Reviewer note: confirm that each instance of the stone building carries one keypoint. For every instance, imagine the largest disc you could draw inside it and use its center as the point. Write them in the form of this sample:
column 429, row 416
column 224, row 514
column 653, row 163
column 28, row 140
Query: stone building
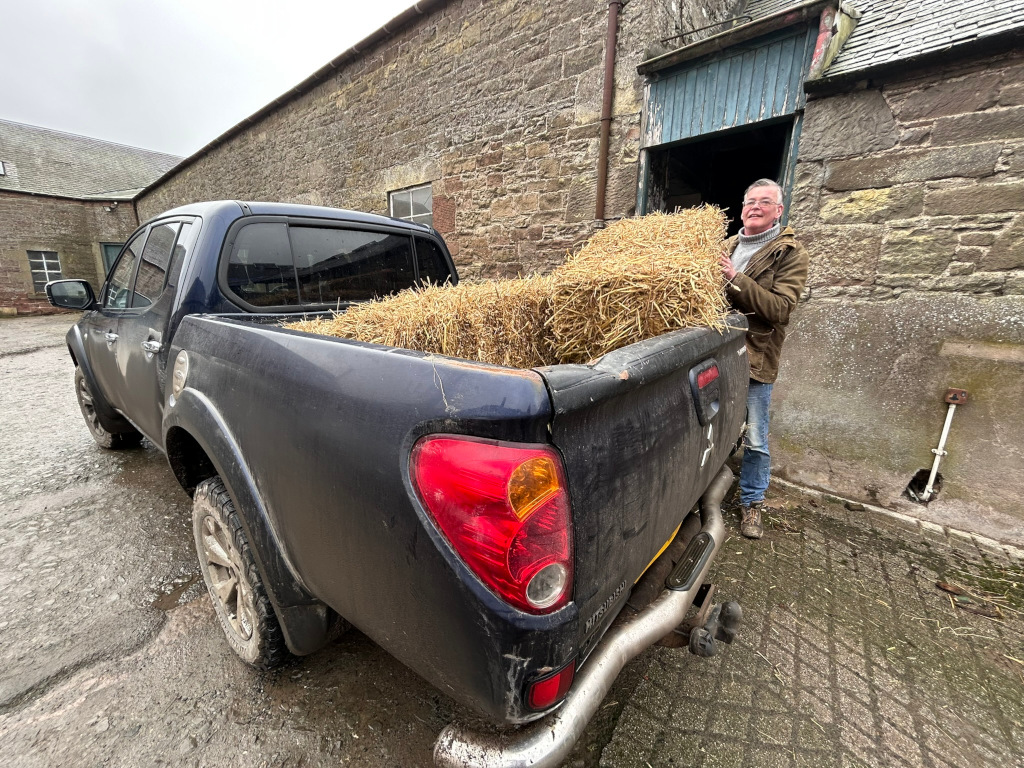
column 65, row 208
column 896, row 127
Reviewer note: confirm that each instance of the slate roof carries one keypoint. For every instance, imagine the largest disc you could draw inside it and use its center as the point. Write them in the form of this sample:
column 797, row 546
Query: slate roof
column 45, row 162
column 894, row 30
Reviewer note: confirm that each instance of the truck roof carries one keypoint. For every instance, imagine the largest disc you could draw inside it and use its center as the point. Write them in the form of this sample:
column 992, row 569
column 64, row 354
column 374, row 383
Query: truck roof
column 236, row 209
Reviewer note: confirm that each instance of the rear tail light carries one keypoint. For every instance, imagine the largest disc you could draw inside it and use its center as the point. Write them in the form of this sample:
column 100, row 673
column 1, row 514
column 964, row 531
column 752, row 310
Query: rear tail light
column 504, row 507
column 541, row 694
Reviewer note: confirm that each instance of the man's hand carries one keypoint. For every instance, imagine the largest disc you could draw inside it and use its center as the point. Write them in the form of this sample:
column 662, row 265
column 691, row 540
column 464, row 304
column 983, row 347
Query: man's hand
column 727, row 268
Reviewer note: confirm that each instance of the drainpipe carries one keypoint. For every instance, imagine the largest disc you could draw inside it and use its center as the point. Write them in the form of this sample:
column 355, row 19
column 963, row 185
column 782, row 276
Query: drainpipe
column 614, row 6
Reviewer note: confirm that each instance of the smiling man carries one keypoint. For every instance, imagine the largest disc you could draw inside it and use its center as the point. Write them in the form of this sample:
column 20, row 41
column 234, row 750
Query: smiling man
column 766, row 270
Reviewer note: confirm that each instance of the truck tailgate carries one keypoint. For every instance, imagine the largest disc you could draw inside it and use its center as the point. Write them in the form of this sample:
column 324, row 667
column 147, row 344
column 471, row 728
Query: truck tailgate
column 637, row 456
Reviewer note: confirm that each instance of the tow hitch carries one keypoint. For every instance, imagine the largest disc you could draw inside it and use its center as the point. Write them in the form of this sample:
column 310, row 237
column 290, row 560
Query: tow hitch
column 713, row 623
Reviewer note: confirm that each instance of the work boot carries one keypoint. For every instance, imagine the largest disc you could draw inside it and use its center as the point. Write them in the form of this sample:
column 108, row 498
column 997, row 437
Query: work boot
column 751, row 526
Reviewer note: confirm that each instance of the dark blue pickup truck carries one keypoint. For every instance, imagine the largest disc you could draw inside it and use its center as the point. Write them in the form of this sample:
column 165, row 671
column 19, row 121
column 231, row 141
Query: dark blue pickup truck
column 514, row 536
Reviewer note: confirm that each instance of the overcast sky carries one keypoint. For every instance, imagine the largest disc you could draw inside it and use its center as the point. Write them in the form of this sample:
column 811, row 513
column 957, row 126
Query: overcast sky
column 167, row 75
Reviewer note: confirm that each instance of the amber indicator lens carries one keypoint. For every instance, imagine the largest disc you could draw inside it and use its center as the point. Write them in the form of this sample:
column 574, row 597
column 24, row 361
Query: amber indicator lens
column 532, row 483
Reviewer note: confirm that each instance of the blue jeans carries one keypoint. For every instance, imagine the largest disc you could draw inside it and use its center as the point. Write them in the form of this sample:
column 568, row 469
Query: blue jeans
column 757, row 463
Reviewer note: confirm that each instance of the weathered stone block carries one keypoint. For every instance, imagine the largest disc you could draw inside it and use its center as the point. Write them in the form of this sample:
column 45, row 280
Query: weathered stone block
column 912, row 137
column 1014, row 284
column 977, row 198
column 874, row 205
column 582, row 59
column 841, row 255
column 979, row 126
column 540, row 149
column 979, row 282
column 1007, row 252
column 903, row 167
column 848, row 124
column 918, row 251
column 977, row 238
column 544, row 71
column 970, row 94
column 960, row 267
column 804, row 202
column 1012, row 95
column 968, row 255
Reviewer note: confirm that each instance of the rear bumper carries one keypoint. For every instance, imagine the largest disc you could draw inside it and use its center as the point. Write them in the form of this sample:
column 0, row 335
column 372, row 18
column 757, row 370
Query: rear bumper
column 548, row 741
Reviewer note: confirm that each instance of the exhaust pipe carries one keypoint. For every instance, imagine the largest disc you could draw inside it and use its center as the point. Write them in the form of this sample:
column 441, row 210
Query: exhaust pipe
column 547, row 742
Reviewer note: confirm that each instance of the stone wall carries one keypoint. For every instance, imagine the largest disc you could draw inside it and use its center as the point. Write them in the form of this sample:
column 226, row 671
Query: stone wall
column 910, row 197
column 72, row 228
column 495, row 104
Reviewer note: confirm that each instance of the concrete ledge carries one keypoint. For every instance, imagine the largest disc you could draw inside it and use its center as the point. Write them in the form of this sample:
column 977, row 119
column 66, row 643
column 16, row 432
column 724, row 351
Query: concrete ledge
column 924, row 526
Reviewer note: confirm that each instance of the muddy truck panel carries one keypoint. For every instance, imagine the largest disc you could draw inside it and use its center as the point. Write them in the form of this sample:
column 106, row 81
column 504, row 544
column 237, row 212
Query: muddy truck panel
column 327, row 427
column 485, row 525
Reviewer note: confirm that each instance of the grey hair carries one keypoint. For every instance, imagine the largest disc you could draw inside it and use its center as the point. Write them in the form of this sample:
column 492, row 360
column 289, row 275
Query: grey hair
column 779, row 194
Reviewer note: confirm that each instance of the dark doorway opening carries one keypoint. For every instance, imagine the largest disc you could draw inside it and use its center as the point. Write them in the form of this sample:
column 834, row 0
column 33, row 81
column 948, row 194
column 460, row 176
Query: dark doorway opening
column 717, row 169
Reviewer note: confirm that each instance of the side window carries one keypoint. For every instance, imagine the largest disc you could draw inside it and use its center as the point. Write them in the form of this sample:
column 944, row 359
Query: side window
column 433, row 265
column 350, row 265
column 153, row 267
column 260, row 268
column 120, row 282
column 179, row 253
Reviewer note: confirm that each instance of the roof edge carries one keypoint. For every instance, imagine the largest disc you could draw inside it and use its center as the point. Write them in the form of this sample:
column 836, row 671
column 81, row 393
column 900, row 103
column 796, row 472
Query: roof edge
column 989, row 45
column 807, row 11
column 422, row 8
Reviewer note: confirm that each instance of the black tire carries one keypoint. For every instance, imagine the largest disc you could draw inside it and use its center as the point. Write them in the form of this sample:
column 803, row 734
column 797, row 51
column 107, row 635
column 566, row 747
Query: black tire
column 110, row 440
column 243, row 608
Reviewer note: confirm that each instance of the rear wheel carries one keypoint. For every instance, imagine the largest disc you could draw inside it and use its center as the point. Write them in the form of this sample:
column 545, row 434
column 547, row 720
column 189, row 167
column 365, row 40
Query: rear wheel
column 86, row 401
column 239, row 598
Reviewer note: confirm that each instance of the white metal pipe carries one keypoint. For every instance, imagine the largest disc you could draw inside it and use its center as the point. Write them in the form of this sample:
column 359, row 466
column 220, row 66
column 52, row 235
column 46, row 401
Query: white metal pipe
column 939, row 453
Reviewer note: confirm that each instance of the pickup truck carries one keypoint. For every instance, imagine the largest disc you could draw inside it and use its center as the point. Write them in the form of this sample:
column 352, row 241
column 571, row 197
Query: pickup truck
column 513, row 536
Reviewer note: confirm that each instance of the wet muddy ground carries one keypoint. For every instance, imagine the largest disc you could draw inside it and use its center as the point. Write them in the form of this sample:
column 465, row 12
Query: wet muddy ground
column 110, row 653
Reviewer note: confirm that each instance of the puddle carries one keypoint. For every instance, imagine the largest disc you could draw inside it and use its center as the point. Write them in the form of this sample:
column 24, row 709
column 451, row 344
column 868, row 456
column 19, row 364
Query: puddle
column 172, row 599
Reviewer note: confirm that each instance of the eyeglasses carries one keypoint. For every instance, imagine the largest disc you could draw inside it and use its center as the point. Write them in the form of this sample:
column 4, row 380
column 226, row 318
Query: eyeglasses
column 764, row 202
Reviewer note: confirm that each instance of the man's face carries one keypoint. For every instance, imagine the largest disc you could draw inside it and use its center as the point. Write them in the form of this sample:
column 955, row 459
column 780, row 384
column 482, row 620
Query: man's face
column 761, row 209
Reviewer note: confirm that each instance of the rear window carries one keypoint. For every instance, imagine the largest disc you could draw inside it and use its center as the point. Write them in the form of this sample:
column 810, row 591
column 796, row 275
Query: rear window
column 350, row 265
column 280, row 264
column 260, row 270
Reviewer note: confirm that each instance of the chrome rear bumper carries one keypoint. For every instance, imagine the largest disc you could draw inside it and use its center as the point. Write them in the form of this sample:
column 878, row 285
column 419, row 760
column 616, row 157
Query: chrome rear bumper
column 548, row 741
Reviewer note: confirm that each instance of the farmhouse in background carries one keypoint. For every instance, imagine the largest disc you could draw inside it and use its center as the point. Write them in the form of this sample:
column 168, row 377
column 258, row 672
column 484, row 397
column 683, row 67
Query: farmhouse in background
column 65, row 208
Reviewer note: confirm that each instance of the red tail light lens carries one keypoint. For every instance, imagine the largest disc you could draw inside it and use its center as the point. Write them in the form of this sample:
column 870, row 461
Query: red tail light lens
column 543, row 693
column 504, row 507
column 705, row 377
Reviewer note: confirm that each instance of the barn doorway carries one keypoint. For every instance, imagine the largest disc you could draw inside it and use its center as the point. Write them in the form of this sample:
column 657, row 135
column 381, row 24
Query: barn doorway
column 717, row 169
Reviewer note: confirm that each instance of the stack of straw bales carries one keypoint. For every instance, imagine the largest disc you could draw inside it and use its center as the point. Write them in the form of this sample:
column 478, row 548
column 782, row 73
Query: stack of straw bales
column 633, row 280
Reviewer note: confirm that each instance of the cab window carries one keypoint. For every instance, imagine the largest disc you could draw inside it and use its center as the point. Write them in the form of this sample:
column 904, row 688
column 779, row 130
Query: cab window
column 120, row 282
column 153, row 267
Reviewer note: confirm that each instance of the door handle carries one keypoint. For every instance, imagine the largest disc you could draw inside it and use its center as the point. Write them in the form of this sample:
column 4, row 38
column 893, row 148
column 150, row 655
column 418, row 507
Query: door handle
column 110, row 337
column 152, row 347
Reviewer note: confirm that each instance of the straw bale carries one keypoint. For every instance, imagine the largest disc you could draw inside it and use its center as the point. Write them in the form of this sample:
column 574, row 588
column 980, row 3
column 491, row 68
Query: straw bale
column 498, row 321
column 635, row 279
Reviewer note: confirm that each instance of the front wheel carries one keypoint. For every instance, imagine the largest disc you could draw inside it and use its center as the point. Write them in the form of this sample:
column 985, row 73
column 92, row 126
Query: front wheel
column 229, row 570
column 105, row 439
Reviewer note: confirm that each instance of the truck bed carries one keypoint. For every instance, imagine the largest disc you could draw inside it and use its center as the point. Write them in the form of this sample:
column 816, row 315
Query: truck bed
column 325, row 428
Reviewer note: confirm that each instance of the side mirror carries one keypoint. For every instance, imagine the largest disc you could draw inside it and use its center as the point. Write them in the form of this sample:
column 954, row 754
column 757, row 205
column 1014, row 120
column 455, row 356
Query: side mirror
column 71, row 294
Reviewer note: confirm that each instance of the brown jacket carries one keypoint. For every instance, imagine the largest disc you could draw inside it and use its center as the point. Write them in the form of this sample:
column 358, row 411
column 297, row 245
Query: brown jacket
column 766, row 293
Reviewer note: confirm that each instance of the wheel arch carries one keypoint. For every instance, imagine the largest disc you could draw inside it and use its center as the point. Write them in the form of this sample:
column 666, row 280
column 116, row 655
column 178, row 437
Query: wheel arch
column 199, row 445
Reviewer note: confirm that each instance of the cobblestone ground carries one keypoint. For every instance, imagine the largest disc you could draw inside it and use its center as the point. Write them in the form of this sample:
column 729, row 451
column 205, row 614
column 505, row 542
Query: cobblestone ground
column 851, row 655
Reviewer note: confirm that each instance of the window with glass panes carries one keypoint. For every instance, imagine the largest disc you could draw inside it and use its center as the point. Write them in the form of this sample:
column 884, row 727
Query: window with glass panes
column 45, row 266
column 414, row 204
